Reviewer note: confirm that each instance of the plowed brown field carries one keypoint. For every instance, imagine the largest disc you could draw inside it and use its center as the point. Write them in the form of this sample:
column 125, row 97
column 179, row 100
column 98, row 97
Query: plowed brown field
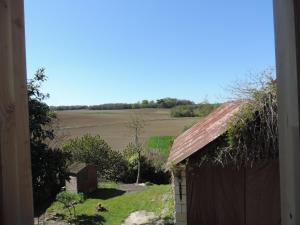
column 111, row 124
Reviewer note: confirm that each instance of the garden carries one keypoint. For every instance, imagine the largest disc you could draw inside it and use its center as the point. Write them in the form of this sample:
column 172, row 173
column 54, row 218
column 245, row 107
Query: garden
column 117, row 202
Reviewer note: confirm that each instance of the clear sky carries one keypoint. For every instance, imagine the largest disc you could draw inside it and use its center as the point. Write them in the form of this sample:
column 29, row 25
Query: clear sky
column 102, row 51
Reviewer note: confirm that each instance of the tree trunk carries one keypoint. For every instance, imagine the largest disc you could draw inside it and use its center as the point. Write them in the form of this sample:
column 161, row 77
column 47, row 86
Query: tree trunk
column 139, row 156
column 139, row 168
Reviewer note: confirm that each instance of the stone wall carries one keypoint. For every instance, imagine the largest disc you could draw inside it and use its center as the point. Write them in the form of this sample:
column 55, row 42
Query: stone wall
column 71, row 185
column 179, row 181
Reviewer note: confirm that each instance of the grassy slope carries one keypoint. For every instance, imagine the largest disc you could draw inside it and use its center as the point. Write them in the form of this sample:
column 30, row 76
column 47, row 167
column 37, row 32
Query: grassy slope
column 162, row 143
column 120, row 204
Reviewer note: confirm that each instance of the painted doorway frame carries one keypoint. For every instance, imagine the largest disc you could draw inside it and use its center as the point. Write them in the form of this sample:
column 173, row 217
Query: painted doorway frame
column 16, row 206
column 287, row 45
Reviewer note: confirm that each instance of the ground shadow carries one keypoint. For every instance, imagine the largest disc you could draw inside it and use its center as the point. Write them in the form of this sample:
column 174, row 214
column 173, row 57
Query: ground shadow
column 89, row 220
column 106, row 193
column 40, row 208
column 168, row 220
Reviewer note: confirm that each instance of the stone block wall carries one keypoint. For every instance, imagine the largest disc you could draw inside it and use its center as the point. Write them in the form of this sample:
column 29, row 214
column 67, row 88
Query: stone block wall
column 179, row 182
column 71, row 185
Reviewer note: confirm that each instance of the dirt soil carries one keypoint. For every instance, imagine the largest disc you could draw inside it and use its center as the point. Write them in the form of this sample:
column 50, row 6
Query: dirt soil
column 111, row 124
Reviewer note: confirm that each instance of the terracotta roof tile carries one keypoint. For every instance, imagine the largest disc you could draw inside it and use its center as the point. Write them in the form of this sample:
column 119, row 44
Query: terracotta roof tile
column 205, row 131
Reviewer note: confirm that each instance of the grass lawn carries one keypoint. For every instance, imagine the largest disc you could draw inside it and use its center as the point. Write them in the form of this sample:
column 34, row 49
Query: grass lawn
column 120, row 204
column 162, row 143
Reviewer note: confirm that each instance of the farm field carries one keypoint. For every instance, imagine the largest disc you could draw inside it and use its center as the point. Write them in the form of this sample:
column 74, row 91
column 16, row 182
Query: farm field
column 162, row 143
column 111, row 124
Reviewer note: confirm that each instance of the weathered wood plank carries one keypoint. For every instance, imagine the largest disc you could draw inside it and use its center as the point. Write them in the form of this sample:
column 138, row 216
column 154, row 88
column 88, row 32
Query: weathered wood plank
column 16, row 189
column 286, row 14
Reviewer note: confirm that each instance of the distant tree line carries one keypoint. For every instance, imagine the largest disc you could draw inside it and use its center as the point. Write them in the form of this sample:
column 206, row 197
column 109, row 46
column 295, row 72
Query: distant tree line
column 195, row 110
column 160, row 103
column 66, row 107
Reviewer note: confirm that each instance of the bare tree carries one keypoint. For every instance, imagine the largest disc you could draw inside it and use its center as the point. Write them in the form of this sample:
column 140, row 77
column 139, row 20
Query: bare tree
column 245, row 88
column 136, row 125
column 252, row 132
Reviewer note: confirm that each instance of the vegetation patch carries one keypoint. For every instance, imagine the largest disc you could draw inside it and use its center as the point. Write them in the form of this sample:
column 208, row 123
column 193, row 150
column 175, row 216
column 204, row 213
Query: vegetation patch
column 119, row 204
column 152, row 164
column 93, row 149
column 199, row 110
column 252, row 133
column 160, row 143
column 48, row 163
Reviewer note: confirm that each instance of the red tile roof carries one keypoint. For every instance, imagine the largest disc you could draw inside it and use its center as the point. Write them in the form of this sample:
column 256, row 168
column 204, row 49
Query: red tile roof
column 202, row 133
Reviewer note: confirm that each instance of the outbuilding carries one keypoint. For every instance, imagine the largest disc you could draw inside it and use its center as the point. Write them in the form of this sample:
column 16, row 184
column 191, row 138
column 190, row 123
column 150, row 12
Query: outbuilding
column 82, row 178
column 221, row 195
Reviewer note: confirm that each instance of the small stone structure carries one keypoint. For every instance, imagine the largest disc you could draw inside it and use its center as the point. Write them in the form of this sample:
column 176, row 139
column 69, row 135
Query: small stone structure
column 82, row 178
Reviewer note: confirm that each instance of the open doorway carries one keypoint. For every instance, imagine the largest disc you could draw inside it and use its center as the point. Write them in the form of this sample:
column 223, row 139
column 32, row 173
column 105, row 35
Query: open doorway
column 17, row 122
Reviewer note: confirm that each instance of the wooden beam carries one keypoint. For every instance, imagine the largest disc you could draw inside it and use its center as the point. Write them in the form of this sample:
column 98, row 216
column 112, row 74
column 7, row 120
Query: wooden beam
column 287, row 27
column 15, row 167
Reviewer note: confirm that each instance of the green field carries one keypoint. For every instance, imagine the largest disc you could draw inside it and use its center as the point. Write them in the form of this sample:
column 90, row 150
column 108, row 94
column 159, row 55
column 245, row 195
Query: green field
column 120, row 203
column 160, row 143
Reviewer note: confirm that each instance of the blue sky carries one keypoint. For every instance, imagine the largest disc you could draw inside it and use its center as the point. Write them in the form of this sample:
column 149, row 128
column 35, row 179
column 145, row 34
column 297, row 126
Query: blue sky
column 101, row 51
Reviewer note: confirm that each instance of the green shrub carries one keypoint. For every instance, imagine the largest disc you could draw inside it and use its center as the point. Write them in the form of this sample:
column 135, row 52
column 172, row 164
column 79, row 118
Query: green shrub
column 203, row 109
column 253, row 131
column 48, row 164
column 152, row 166
column 148, row 172
column 93, row 149
column 183, row 111
column 69, row 200
column 162, row 144
column 200, row 110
